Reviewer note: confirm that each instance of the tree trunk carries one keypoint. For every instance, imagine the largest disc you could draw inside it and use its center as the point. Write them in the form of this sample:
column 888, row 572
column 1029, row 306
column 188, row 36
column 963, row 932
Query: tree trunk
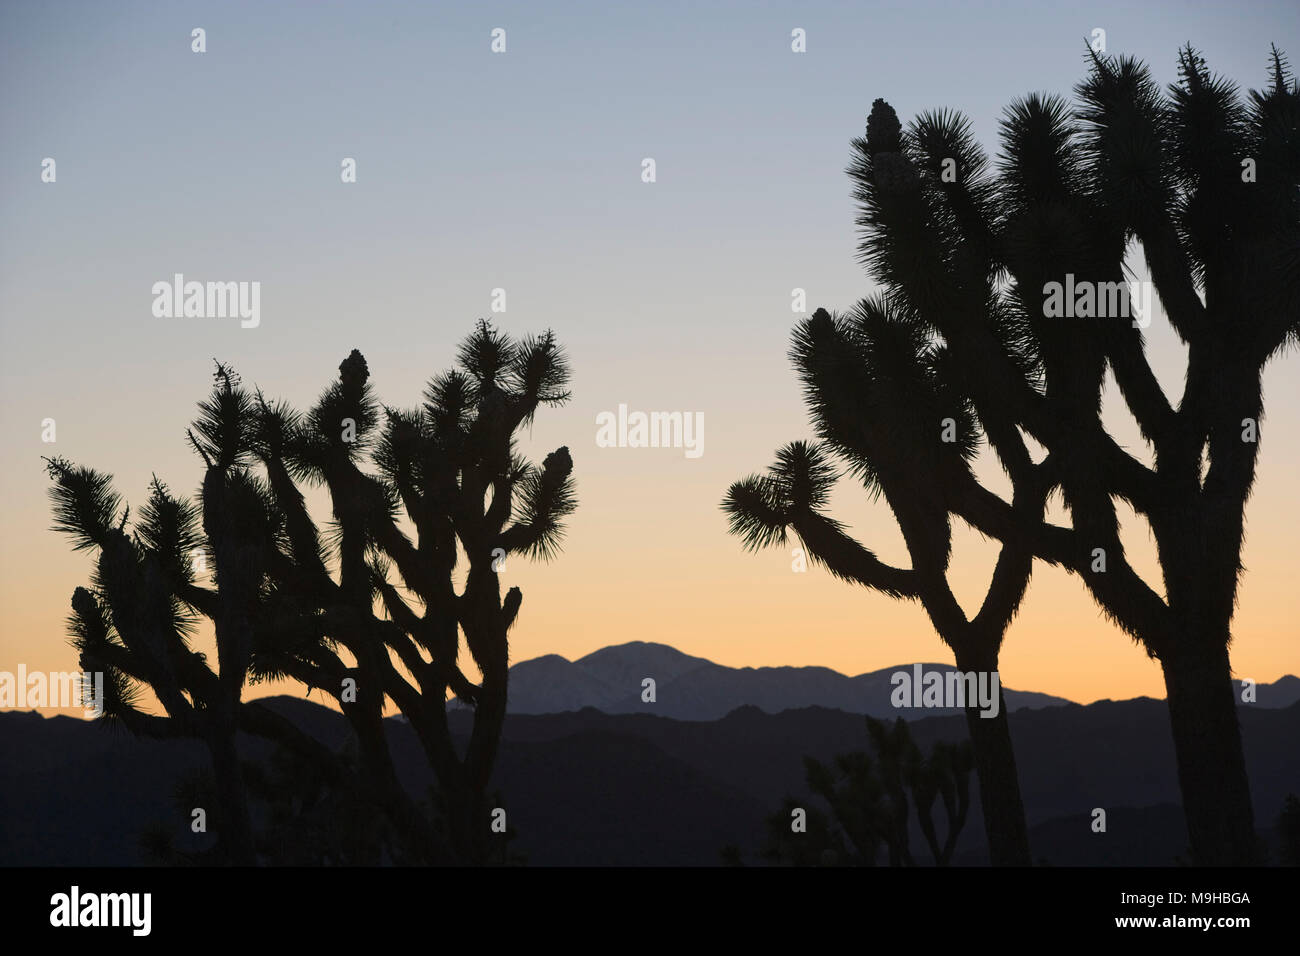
column 1207, row 745
column 995, row 766
column 467, row 821
column 383, row 784
column 485, row 741
column 236, row 833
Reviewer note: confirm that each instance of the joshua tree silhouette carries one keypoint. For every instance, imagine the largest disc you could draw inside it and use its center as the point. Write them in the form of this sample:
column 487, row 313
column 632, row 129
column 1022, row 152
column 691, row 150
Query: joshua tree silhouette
column 280, row 610
column 1288, row 828
column 868, row 798
column 1206, row 183
column 874, row 384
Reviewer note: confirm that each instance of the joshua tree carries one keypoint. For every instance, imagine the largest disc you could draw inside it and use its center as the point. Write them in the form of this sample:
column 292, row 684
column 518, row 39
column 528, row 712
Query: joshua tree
column 285, row 603
column 975, row 258
column 868, row 797
column 134, row 628
column 874, row 385
column 1288, row 829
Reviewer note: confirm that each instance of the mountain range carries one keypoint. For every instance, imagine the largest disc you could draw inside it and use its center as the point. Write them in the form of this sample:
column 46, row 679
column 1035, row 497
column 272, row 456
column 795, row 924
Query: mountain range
column 589, row 788
column 693, row 688
column 636, row 783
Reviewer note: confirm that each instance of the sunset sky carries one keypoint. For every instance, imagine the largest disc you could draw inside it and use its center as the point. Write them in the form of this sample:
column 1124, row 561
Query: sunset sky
column 522, row 170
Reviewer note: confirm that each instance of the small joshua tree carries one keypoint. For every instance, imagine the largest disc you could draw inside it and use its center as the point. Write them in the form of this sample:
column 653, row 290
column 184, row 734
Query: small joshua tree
column 868, row 796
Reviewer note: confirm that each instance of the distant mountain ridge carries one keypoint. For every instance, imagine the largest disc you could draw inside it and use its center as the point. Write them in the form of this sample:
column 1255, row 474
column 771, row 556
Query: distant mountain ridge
column 693, row 688
column 587, row 788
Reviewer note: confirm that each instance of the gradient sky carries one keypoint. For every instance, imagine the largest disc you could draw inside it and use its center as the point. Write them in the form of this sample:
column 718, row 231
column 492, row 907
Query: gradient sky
column 522, row 171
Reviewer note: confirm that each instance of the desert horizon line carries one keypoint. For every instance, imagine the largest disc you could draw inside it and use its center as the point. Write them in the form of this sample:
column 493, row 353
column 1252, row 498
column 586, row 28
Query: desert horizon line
column 15, row 693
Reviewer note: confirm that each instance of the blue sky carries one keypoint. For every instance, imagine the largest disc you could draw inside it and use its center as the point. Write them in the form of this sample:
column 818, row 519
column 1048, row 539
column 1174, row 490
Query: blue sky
column 519, row 171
